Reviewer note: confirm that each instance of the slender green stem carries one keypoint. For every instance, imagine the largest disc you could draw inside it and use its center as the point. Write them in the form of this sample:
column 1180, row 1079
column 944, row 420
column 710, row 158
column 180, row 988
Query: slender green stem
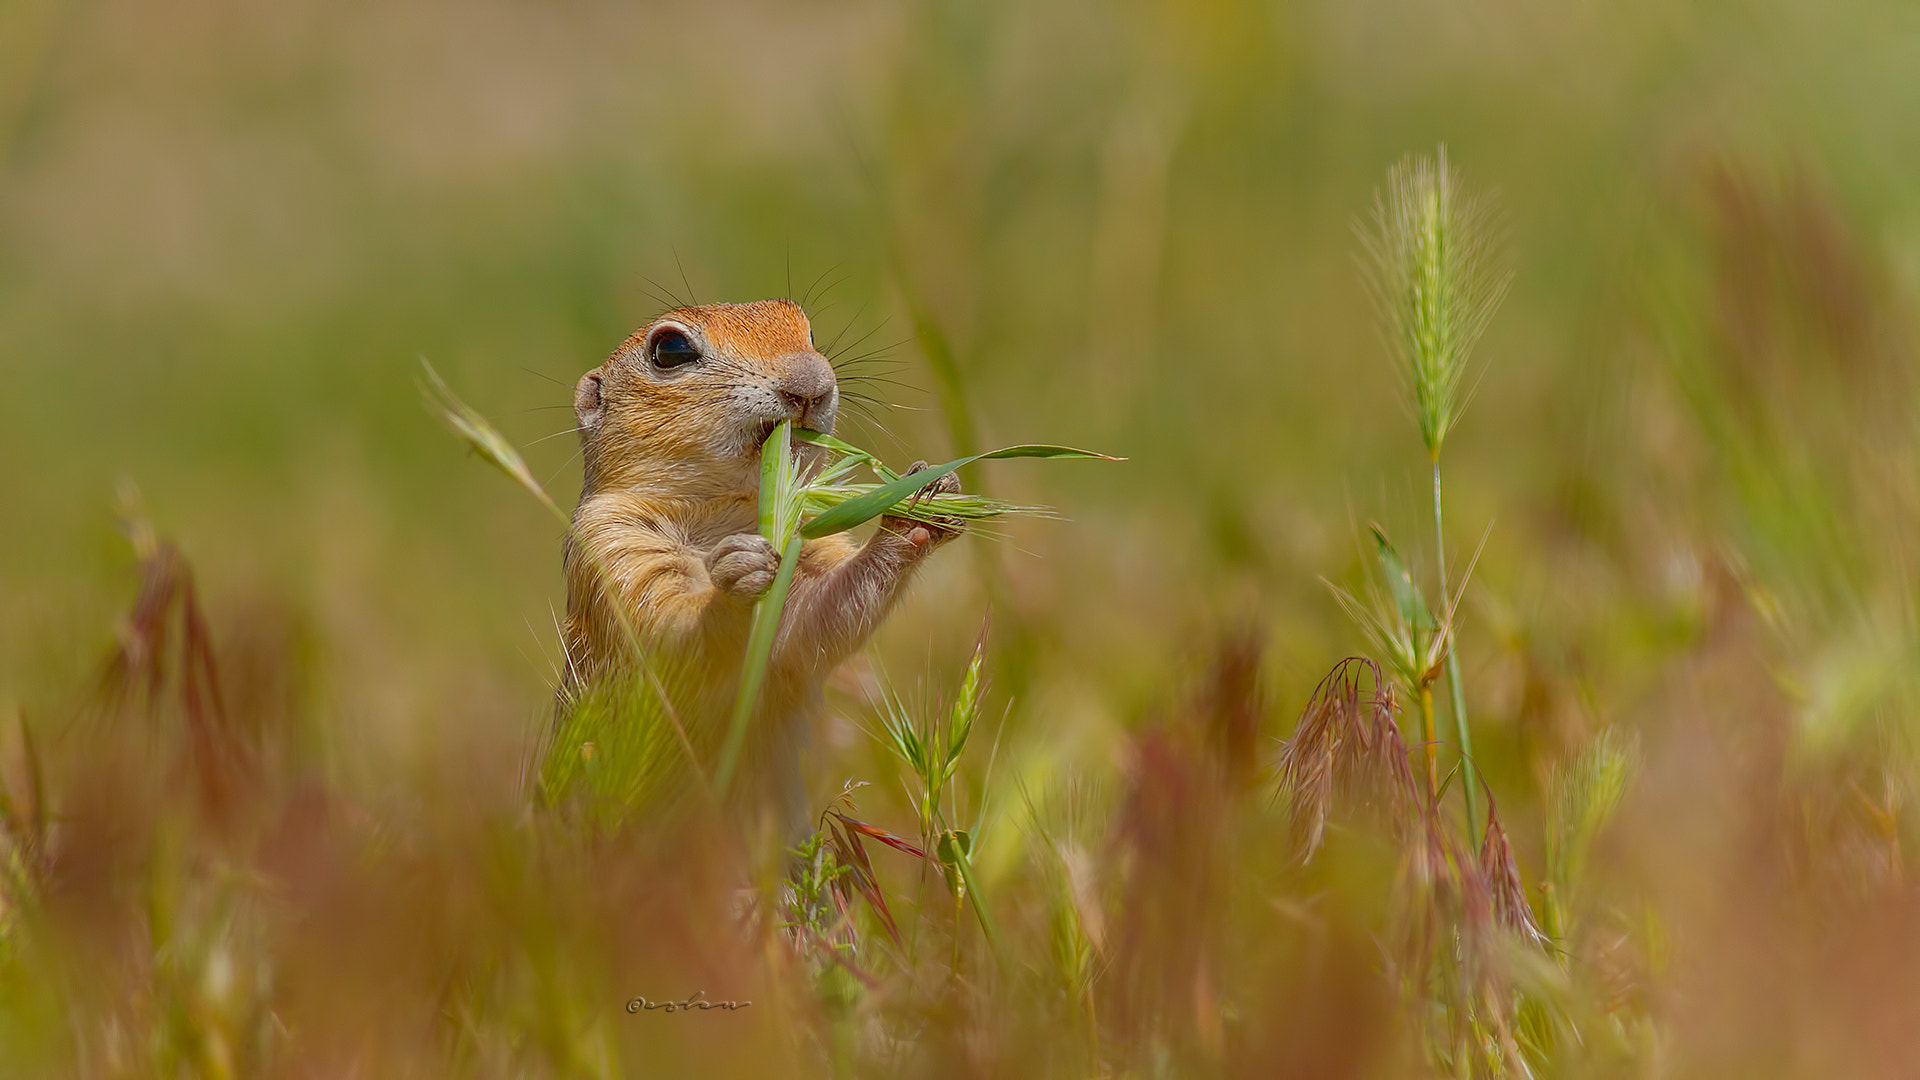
column 1469, row 776
column 766, row 624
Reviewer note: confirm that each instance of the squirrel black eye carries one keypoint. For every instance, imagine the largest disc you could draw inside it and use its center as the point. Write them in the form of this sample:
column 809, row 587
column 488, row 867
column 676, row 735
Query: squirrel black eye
column 671, row 349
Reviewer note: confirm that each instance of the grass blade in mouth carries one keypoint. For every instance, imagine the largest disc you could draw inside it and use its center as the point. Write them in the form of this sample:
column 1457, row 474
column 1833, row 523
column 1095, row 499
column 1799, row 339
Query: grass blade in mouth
column 779, row 511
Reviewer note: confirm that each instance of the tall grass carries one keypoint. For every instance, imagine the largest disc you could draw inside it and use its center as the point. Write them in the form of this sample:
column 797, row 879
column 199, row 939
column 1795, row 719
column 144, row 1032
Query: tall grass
column 1433, row 252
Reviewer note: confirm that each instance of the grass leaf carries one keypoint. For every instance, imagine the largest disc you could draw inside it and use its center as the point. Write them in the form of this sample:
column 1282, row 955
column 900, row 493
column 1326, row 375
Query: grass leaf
column 829, row 442
column 963, row 862
column 766, row 622
column 1406, row 595
column 479, row 433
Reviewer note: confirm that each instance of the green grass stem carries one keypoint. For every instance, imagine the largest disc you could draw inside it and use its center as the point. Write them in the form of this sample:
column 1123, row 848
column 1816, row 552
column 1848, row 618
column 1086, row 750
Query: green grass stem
column 1469, row 774
column 766, row 624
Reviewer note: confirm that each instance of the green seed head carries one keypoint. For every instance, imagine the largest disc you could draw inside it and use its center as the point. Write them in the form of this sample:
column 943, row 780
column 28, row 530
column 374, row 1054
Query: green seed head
column 1430, row 261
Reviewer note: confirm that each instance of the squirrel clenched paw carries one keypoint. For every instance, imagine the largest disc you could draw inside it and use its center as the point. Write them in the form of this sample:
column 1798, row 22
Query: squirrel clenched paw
column 743, row 566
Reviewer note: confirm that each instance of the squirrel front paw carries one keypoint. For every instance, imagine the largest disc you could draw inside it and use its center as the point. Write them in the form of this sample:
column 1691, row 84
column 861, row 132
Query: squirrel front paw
column 743, row 565
column 928, row 534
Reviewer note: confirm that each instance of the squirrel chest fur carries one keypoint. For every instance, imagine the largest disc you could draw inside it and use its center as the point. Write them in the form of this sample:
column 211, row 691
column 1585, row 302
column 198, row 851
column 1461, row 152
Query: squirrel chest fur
column 664, row 552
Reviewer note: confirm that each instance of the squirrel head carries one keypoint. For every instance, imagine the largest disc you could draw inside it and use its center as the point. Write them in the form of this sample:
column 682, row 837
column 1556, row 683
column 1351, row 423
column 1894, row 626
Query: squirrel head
column 684, row 404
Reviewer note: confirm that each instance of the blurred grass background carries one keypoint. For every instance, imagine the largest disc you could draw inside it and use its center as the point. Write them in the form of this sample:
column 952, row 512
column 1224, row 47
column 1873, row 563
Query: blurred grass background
column 228, row 232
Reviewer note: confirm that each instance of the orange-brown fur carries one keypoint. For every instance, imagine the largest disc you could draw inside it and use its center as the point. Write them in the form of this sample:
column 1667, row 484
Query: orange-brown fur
column 664, row 537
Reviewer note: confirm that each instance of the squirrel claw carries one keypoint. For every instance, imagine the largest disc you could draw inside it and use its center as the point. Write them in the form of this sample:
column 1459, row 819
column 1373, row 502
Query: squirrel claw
column 919, row 533
column 944, row 484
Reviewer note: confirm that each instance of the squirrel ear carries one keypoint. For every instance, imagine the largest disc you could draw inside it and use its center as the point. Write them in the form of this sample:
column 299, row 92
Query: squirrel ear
column 587, row 408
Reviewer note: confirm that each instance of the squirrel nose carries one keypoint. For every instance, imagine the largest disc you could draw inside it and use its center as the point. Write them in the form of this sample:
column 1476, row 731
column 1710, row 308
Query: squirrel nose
column 808, row 384
column 803, row 402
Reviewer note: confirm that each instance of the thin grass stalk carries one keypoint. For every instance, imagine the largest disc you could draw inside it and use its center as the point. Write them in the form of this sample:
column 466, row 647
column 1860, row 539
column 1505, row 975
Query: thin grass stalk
column 1468, row 773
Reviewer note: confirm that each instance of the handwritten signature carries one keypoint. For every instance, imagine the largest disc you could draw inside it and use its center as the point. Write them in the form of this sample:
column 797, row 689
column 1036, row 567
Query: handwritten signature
column 697, row 1001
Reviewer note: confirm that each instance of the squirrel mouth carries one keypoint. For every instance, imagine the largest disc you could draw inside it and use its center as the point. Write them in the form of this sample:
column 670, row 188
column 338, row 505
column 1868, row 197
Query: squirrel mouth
column 761, row 432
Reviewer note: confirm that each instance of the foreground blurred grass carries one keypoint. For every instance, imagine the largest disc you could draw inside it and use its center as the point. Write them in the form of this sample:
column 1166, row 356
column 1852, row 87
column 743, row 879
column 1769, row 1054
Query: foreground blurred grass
column 227, row 235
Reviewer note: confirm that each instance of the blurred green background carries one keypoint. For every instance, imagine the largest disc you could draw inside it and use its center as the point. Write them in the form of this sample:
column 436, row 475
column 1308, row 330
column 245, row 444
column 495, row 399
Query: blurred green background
column 229, row 232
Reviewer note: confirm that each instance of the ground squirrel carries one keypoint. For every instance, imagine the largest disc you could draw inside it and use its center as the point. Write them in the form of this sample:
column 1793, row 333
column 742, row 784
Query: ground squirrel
column 670, row 432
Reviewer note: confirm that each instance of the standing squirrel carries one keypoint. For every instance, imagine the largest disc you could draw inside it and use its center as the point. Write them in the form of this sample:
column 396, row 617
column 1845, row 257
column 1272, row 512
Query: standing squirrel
column 664, row 539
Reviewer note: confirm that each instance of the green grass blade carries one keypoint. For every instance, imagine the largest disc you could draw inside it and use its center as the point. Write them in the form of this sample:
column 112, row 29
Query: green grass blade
column 773, row 469
column 780, row 495
column 482, row 436
column 766, row 622
column 1406, row 595
column 851, row 457
column 858, row 511
column 822, row 439
column 963, row 862
column 1038, row 450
